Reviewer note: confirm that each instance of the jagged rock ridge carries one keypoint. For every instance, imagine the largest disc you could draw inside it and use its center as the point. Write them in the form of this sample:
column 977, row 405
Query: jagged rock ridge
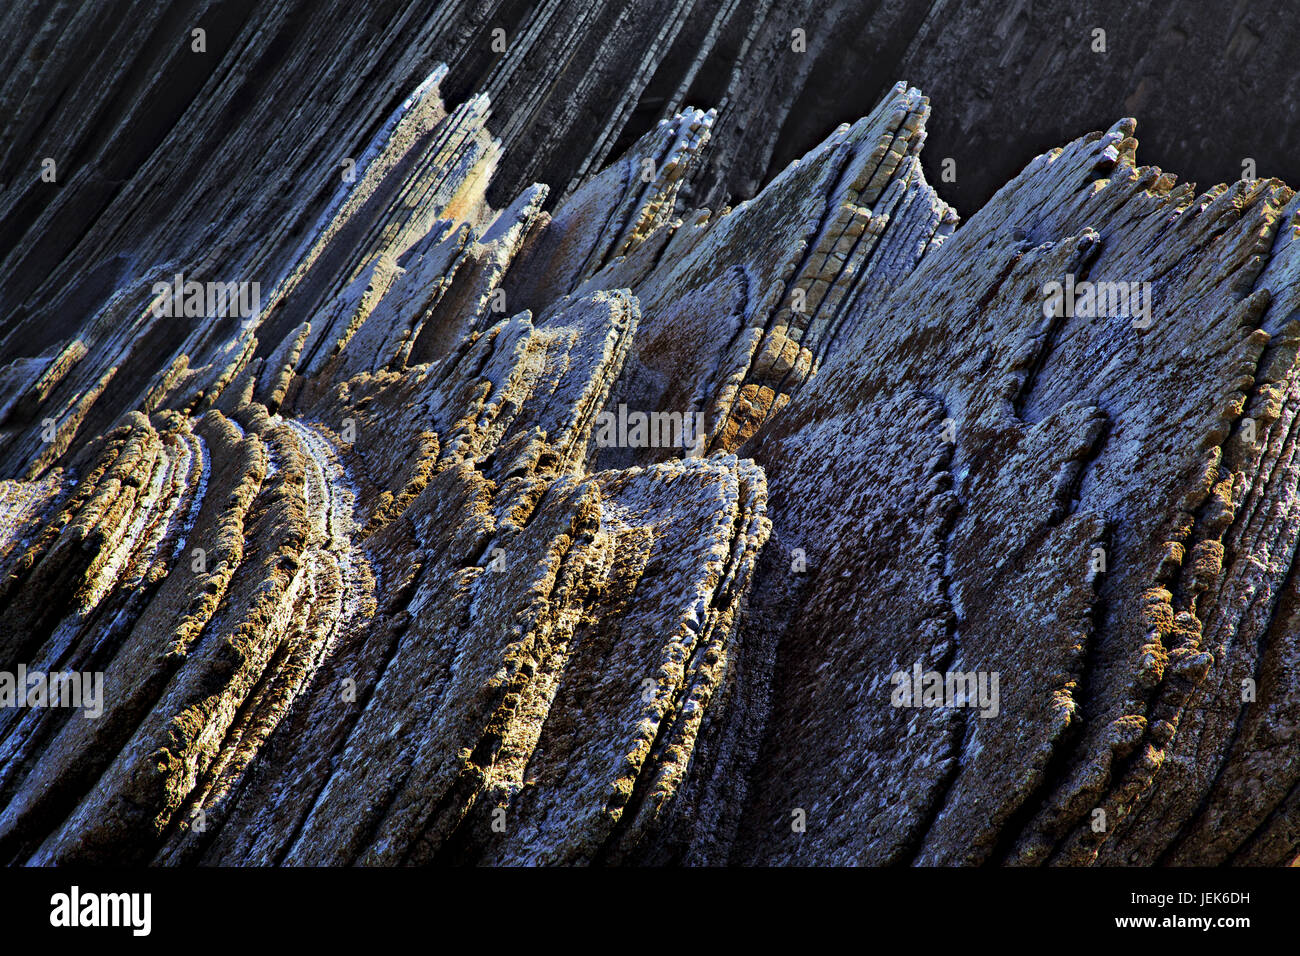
column 366, row 586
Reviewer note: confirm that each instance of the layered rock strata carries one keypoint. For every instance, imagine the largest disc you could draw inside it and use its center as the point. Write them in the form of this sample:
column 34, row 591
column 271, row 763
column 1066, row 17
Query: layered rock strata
column 426, row 561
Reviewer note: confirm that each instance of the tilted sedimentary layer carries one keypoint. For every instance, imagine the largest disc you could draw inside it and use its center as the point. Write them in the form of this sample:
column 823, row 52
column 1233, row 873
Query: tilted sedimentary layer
column 165, row 148
column 423, row 562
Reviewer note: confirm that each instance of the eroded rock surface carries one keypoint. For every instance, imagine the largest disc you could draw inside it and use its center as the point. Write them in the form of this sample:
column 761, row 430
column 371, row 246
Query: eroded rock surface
column 426, row 561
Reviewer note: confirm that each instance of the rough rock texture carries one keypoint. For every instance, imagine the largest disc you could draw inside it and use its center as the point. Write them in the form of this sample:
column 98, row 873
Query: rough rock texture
column 367, row 584
column 222, row 160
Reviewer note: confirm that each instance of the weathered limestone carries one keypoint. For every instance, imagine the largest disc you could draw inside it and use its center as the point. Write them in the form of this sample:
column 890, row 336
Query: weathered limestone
column 368, row 583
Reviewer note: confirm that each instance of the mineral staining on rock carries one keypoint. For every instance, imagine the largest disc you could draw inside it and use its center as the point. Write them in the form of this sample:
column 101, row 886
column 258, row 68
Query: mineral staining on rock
column 365, row 588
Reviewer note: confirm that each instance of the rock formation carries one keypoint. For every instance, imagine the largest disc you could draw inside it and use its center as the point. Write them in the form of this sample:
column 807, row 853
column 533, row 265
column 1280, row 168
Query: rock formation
column 598, row 526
